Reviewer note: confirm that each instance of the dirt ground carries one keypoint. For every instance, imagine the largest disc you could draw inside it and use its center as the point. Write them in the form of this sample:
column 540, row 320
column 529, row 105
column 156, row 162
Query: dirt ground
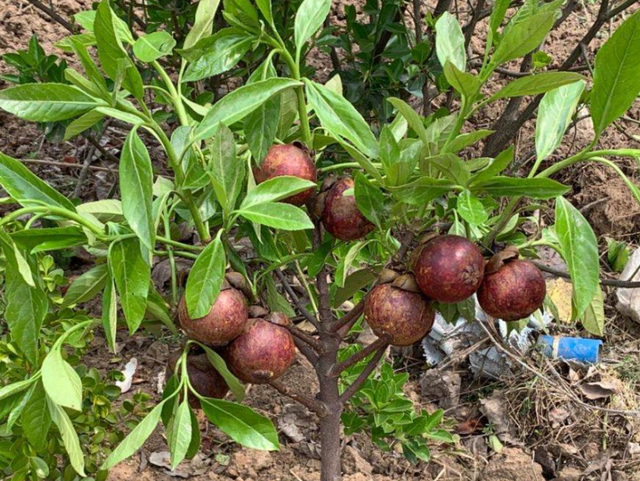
column 549, row 436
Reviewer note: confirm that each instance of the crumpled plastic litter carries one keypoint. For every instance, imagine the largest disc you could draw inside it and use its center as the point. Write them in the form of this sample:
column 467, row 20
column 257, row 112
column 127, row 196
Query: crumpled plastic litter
column 629, row 299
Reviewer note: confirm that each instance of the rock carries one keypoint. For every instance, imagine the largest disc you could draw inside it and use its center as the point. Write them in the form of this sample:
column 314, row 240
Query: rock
column 512, row 464
column 248, row 462
column 353, row 462
column 569, row 474
column 441, row 387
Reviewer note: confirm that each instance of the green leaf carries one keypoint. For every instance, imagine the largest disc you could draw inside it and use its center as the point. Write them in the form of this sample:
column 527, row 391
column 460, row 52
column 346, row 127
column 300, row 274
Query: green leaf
column 554, row 115
column 179, row 434
column 242, row 424
column 61, row 381
column 69, row 436
column 223, row 54
column 465, row 83
column 132, row 275
column 514, row 186
column 111, row 52
column 135, row 439
column 347, row 261
column 277, row 215
column 500, row 163
column 369, row 199
column 87, row 286
column 524, row 37
column 593, row 319
column 617, row 254
column 26, row 306
column 537, row 84
column 412, row 118
column 497, row 16
column 136, row 188
column 205, row 279
column 266, row 9
column 276, row 189
column 451, row 166
column 261, row 128
column 308, row 20
column 14, row 388
column 220, row 365
column 423, row 190
column 107, row 210
column 450, row 42
column 226, row 171
column 49, row 102
column 23, row 185
column 36, row 419
column 580, row 251
column 153, row 46
column 340, row 118
column 240, row 103
column 471, row 209
column 82, row 123
column 616, row 79
column 110, row 313
column 203, row 22
column 463, row 141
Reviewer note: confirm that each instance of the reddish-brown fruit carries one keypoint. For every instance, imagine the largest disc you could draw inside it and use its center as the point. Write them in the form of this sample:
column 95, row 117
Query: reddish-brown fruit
column 288, row 160
column 226, row 319
column 513, row 292
column 341, row 216
column 263, row 353
column 449, row 268
column 204, row 378
column 401, row 316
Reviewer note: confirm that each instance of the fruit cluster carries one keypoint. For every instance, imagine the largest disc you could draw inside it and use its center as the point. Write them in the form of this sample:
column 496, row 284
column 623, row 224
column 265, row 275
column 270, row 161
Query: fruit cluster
column 447, row 269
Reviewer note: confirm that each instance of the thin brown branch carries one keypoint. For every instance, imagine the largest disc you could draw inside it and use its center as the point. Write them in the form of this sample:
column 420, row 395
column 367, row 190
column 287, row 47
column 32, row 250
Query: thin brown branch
column 296, row 300
column 54, row 16
column 605, row 282
column 358, row 356
column 311, row 404
column 357, row 384
column 306, row 351
column 326, row 314
column 64, row 165
column 306, row 338
column 471, row 26
column 346, row 322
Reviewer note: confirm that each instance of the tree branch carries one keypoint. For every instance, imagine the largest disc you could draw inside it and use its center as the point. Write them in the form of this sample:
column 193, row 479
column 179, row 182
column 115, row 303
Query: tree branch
column 351, row 390
column 306, row 351
column 54, row 16
column 311, row 404
column 346, row 322
column 358, row 356
column 296, row 300
column 605, row 282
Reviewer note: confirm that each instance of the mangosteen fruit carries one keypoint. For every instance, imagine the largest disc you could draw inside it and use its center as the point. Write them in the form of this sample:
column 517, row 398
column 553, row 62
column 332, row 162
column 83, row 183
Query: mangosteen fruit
column 401, row 316
column 226, row 319
column 341, row 216
column 262, row 353
column 204, row 378
column 515, row 291
column 288, row 160
column 449, row 268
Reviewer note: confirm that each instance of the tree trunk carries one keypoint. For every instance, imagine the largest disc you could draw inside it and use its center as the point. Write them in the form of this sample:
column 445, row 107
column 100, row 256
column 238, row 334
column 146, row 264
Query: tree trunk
column 331, row 466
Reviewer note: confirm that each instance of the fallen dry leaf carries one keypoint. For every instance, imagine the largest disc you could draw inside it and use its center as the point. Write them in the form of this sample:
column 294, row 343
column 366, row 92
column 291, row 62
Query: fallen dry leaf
column 600, row 389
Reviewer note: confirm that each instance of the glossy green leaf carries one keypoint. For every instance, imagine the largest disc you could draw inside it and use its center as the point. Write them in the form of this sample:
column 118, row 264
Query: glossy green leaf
column 471, row 209
column 50, row 102
column 616, row 79
column 111, row 52
column 537, row 84
column 82, row 123
column 26, row 306
column 276, row 189
column 346, row 263
column 205, row 279
column 87, row 286
column 226, row 171
column 110, row 313
column 61, row 381
column 515, row 186
column 36, row 420
column 498, row 164
column 23, row 185
column 240, row 103
column 203, row 24
column 136, row 188
column 87, row 19
column 261, row 126
column 216, row 360
column 451, row 166
column 179, row 434
column 266, row 9
column 242, row 424
column 153, row 46
column 135, row 439
column 423, row 190
column 369, row 199
column 594, row 318
column 554, row 116
column 132, row 275
column 69, row 436
column 222, row 55
column 498, row 12
column 463, row 141
column 524, row 37
column 465, row 83
column 580, row 251
column 15, row 387
column 450, row 42
column 412, row 118
column 341, row 118
column 277, row 215
column 308, row 20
